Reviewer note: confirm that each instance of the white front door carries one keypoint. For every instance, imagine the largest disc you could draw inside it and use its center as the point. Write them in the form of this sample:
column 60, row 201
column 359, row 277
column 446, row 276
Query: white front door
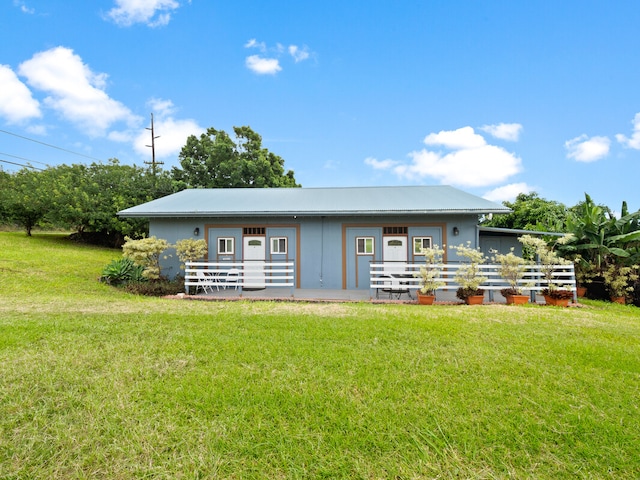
column 254, row 254
column 394, row 253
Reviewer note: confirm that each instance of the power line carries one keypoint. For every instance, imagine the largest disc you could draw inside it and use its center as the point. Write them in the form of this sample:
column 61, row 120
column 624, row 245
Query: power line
column 22, row 158
column 22, row 165
column 51, row 146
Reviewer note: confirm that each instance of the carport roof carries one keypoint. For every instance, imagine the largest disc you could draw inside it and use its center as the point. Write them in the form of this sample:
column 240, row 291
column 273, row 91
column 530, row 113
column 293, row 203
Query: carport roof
column 340, row 201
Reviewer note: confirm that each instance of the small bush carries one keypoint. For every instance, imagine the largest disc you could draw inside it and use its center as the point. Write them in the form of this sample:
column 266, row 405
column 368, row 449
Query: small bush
column 122, row 271
column 156, row 288
column 190, row 250
column 146, row 252
column 560, row 294
column 463, row 293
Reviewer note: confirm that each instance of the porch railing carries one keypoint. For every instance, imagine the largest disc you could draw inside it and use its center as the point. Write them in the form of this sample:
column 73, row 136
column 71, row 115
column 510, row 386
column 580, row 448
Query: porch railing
column 239, row 275
column 402, row 275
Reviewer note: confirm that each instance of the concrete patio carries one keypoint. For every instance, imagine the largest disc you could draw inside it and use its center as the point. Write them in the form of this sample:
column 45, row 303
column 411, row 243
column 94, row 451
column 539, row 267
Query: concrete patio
column 329, row 295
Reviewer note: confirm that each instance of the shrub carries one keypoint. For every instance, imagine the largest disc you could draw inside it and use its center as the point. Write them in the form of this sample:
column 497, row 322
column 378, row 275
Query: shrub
column 122, row 271
column 512, row 269
column 559, row 294
column 156, row 288
column 190, row 250
column 468, row 276
column 547, row 257
column 430, row 272
column 146, row 252
column 465, row 292
column 620, row 280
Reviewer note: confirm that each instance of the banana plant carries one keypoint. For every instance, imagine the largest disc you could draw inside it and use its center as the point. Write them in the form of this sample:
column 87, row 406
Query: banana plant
column 601, row 239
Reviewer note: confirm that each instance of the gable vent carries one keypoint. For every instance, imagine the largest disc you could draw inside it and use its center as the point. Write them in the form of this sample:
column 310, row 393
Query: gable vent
column 395, row 230
column 253, row 230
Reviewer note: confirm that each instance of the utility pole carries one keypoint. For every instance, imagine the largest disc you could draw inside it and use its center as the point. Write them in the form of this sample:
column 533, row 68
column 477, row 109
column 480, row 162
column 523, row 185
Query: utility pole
column 153, row 162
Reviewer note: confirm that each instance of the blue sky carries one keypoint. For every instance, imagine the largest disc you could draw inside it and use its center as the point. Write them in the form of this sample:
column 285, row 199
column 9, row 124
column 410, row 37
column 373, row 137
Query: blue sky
column 492, row 97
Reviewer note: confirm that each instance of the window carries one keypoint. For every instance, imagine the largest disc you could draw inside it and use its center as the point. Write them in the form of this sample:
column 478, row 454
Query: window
column 226, row 246
column 364, row 245
column 419, row 243
column 278, row 245
column 395, row 230
column 253, row 230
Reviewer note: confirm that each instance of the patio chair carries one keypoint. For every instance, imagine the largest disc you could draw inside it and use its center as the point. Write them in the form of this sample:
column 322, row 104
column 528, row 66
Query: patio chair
column 386, row 285
column 232, row 278
column 204, row 282
column 393, row 287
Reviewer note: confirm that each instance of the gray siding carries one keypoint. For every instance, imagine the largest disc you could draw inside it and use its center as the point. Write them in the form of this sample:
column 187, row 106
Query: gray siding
column 326, row 254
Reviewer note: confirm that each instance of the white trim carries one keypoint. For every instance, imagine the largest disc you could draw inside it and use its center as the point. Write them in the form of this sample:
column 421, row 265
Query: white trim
column 227, row 241
column 275, row 241
column 365, row 245
column 422, row 238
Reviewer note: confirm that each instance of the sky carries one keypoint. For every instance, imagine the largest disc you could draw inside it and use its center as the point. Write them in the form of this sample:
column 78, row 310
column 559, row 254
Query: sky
column 496, row 97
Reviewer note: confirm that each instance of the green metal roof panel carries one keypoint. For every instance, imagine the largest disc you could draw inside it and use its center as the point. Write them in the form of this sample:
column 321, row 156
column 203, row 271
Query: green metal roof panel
column 221, row 202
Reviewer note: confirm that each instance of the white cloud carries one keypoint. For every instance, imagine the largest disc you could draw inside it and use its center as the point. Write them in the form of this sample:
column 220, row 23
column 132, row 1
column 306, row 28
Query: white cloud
column 154, row 13
column 172, row 132
column 37, row 130
column 634, row 141
column 23, row 7
column 163, row 108
column 504, row 131
column 263, row 66
column 17, row 105
column 507, row 192
column 253, row 43
column 470, row 163
column 380, row 164
column 298, row 54
column 75, row 92
column 585, row 149
column 463, row 137
column 477, row 167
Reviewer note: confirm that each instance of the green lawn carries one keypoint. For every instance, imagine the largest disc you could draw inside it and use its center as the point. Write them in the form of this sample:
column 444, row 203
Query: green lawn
column 97, row 383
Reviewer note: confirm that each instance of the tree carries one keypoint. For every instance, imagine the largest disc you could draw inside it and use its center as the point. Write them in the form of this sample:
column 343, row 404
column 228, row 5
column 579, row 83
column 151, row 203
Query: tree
column 25, row 198
column 5, row 187
column 600, row 238
column 215, row 160
column 88, row 198
column 530, row 212
column 83, row 198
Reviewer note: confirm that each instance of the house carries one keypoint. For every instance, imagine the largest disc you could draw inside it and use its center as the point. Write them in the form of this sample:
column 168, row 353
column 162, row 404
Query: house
column 331, row 234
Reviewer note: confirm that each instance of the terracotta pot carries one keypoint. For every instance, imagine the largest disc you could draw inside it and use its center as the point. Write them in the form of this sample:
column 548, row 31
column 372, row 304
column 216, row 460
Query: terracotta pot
column 424, row 299
column 474, row 300
column 581, row 291
column 556, row 302
column 517, row 299
column 620, row 300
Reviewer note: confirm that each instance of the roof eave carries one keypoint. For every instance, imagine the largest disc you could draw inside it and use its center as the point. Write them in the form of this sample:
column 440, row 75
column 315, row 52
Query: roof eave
column 341, row 213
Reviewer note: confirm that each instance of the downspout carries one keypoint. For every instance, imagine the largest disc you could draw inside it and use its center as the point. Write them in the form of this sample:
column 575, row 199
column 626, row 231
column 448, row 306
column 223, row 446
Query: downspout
column 321, row 251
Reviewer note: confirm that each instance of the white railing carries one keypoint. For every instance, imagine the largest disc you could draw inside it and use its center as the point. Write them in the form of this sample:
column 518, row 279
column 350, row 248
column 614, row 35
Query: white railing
column 238, row 275
column 401, row 275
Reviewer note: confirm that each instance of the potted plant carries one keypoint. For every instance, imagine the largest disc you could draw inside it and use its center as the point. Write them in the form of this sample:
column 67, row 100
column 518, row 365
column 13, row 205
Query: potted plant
column 469, row 276
column 512, row 268
column 429, row 275
column 619, row 281
column 555, row 293
column 585, row 273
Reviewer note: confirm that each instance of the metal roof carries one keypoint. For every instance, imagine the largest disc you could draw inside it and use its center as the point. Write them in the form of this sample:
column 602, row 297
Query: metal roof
column 515, row 231
column 261, row 202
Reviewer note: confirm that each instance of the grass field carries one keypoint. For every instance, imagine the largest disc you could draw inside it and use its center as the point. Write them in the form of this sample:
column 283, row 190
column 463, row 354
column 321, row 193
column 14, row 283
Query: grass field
column 97, row 383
